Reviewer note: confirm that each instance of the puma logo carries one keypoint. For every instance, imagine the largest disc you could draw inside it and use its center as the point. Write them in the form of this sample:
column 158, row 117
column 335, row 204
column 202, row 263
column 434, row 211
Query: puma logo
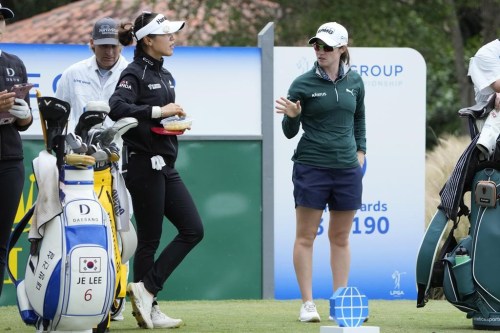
column 350, row 91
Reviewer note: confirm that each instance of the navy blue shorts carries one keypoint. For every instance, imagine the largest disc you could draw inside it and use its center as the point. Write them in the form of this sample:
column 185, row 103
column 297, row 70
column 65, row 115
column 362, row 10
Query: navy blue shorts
column 315, row 187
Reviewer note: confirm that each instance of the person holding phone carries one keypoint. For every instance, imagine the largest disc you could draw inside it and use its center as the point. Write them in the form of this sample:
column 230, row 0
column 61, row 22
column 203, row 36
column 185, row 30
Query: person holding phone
column 15, row 117
column 328, row 101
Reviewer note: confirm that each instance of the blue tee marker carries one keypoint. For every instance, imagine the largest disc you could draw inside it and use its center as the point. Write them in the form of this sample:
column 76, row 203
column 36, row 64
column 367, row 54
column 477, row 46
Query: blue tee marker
column 348, row 307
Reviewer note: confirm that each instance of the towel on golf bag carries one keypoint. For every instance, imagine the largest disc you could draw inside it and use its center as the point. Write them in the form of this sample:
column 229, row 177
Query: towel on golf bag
column 459, row 182
column 48, row 203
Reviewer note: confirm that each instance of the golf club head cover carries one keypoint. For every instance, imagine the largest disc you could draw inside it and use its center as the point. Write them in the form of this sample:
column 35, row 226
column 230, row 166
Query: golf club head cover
column 94, row 114
column 55, row 113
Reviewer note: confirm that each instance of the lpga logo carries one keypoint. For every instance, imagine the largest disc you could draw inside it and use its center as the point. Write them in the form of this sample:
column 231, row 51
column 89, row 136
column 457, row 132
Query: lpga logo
column 396, row 277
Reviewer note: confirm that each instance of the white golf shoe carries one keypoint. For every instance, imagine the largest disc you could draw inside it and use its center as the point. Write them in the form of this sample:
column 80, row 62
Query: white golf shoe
column 142, row 302
column 308, row 313
column 161, row 320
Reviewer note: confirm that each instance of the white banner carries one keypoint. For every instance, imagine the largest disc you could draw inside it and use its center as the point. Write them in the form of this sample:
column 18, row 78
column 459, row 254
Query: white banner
column 388, row 229
column 219, row 87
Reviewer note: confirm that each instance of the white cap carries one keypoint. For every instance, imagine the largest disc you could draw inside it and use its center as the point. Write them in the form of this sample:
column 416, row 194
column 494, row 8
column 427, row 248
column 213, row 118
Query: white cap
column 332, row 34
column 159, row 26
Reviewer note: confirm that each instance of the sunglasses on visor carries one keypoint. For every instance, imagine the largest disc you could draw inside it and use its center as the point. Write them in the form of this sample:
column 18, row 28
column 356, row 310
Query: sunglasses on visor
column 325, row 48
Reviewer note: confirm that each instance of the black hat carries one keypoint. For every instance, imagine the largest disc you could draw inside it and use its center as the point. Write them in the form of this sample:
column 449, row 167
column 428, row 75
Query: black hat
column 6, row 12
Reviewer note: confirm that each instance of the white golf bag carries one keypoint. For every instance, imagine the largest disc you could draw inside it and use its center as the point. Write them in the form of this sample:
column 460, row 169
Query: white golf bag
column 70, row 278
column 70, row 275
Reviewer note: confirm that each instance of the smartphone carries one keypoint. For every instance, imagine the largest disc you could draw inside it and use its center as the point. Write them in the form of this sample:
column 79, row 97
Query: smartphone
column 22, row 89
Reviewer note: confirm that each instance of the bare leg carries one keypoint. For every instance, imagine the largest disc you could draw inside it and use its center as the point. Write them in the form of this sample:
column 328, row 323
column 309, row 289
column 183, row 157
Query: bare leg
column 340, row 255
column 308, row 220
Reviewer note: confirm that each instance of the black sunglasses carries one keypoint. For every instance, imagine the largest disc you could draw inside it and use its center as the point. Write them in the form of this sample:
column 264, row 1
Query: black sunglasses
column 325, row 48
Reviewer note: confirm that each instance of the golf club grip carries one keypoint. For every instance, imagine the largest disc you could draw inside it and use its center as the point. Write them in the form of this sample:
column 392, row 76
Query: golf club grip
column 44, row 125
column 76, row 160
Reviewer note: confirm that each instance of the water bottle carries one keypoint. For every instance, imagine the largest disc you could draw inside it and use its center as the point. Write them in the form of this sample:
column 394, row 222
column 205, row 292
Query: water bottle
column 461, row 255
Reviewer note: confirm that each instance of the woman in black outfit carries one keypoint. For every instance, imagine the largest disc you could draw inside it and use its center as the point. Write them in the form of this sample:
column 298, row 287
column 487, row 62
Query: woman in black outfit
column 15, row 116
column 146, row 92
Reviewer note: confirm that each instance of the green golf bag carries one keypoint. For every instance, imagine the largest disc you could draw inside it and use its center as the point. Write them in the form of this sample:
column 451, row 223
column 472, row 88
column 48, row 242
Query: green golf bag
column 466, row 269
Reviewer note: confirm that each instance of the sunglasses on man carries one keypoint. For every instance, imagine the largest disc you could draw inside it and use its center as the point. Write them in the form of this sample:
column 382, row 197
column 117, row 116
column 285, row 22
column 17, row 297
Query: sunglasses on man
column 323, row 47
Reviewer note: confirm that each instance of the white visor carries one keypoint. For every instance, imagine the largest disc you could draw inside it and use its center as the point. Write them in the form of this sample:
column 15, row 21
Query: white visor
column 159, row 26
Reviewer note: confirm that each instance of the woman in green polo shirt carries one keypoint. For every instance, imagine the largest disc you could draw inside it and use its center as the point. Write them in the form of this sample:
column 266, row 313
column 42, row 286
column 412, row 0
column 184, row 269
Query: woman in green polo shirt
column 328, row 101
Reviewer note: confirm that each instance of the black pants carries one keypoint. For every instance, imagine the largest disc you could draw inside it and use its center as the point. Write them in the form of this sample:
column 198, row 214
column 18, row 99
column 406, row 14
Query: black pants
column 156, row 194
column 11, row 188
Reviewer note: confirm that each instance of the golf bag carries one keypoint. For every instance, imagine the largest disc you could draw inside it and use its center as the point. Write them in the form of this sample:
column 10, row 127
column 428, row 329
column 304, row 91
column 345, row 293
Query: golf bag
column 70, row 275
column 467, row 270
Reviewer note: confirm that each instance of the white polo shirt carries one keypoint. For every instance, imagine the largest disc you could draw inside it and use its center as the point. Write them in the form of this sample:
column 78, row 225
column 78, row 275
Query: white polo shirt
column 80, row 83
column 484, row 69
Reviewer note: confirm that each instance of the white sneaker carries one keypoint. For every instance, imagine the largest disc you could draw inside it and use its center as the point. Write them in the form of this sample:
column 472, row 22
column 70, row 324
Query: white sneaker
column 308, row 313
column 161, row 320
column 142, row 302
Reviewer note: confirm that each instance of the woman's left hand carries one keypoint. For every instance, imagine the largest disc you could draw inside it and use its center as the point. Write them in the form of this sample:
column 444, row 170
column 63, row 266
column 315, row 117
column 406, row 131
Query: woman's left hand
column 361, row 158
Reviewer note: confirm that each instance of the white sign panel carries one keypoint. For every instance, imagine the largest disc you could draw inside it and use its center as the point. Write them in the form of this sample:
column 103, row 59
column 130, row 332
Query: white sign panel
column 387, row 231
column 219, row 87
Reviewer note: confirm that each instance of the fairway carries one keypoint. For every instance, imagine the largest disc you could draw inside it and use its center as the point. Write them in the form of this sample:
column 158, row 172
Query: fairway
column 247, row 316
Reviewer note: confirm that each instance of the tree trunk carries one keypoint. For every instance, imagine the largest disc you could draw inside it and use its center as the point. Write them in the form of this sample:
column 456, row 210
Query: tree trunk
column 466, row 89
column 489, row 17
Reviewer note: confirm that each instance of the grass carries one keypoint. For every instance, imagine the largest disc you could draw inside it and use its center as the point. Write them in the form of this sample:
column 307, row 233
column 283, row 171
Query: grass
column 252, row 316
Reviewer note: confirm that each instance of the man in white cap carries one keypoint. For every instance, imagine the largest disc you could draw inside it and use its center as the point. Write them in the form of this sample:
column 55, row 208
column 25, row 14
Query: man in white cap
column 95, row 78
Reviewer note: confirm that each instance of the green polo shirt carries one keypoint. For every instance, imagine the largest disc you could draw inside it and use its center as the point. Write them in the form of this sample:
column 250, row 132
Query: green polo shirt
column 332, row 118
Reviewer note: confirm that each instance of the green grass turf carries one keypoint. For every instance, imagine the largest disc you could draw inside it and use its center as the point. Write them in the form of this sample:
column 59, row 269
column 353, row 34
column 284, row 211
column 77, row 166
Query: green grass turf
column 273, row 316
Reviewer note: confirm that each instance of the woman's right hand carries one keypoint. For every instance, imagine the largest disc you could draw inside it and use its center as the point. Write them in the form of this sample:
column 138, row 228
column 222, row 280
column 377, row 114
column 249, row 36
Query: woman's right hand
column 287, row 107
column 172, row 109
